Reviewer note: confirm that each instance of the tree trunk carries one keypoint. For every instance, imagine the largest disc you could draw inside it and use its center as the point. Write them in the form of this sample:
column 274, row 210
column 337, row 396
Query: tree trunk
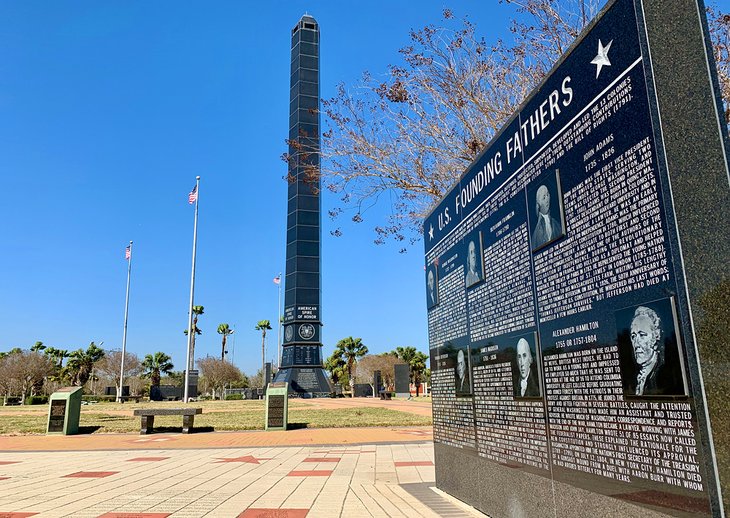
column 263, row 358
column 192, row 343
column 192, row 350
column 223, row 348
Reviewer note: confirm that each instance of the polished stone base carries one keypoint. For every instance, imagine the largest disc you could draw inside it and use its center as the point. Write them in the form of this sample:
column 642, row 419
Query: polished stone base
column 305, row 382
column 503, row 491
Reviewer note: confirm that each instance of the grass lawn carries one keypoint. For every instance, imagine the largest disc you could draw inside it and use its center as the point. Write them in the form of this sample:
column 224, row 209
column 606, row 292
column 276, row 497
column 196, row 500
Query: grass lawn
column 217, row 415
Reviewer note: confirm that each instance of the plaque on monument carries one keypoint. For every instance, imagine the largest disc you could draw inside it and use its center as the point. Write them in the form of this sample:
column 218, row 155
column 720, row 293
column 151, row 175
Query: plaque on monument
column 377, row 383
column 57, row 416
column 64, row 411
column 402, row 380
column 192, row 382
column 277, row 406
column 564, row 354
column 112, row 391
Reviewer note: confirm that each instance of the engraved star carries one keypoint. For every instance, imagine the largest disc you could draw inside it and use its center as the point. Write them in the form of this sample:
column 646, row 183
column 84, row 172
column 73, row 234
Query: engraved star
column 601, row 58
column 248, row 459
column 430, row 233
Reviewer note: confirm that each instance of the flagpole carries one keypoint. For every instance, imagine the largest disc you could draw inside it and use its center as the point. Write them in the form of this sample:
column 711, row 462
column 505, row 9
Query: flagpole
column 189, row 360
column 124, row 334
column 278, row 326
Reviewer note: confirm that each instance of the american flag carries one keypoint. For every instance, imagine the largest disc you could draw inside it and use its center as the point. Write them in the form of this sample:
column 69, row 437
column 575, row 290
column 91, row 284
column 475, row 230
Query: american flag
column 193, row 196
column 128, row 252
column 277, row 279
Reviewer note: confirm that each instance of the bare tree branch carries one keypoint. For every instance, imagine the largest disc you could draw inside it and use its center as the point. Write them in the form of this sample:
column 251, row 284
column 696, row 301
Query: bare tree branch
column 410, row 133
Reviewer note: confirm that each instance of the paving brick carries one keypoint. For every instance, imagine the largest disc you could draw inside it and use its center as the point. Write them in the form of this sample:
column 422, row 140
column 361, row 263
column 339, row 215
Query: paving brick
column 350, row 472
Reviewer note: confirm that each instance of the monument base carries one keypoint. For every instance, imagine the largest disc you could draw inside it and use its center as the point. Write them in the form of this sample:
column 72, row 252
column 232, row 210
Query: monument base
column 306, row 382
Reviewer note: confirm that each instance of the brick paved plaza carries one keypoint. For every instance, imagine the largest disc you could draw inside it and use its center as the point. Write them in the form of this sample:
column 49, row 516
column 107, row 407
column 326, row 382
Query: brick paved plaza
column 349, row 472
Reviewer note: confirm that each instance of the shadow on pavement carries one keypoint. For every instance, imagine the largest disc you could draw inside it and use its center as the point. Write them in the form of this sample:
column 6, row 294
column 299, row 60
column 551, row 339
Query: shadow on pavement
column 178, row 429
column 296, row 426
column 84, row 430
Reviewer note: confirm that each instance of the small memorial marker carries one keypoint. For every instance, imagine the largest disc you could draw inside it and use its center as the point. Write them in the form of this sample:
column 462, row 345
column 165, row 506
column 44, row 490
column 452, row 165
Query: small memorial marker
column 277, row 406
column 64, row 411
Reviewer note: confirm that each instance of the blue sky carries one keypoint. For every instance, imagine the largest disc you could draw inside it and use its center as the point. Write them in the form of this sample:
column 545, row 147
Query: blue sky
column 108, row 111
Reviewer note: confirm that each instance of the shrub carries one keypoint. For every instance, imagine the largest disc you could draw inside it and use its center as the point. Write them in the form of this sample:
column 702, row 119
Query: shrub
column 236, row 397
column 36, row 400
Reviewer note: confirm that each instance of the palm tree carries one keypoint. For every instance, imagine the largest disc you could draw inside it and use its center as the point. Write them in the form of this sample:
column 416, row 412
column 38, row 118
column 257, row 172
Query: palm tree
column 155, row 365
column 197, row 310
column 56, row 355
column 350, row 349
column 418, row 367
column 263, row 326
column 405, row 353
column 335, row 365
column 80, row 364
column 225, row 331
column 38, row 384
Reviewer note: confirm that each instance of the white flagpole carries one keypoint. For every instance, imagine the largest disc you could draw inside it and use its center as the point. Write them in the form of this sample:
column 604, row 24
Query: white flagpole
column 124, row 334
column 278, row 325
column 189, row 360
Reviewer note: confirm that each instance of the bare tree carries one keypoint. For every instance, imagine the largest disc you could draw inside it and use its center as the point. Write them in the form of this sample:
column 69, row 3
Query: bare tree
column 218, row 373
column 381, row 362
column 110, row 366
column 137, row 384
column 411, row 132
column 719, row 27
column 24, row 372
column 7, row 382
column 256, row 380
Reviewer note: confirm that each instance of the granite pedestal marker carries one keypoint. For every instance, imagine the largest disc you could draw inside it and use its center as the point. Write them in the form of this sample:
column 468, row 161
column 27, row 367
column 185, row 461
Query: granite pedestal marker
column 277, row 406
column 64, row 411
column 402, row 373
column 596, row 341
column 377, row 383
column 301, row 362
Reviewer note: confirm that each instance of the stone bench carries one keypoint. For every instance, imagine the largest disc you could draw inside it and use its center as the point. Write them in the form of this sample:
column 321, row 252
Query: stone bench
column 148, row 417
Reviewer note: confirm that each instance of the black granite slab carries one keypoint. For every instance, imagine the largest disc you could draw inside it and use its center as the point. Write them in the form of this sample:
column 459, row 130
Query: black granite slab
column 581, row 272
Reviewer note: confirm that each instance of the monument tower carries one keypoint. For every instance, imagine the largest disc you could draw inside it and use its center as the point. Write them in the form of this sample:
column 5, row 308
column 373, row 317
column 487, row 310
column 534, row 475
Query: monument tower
column 301, row 361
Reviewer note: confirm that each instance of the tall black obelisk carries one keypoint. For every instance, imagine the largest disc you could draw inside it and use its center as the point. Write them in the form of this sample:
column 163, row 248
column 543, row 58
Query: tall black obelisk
column 301, row 362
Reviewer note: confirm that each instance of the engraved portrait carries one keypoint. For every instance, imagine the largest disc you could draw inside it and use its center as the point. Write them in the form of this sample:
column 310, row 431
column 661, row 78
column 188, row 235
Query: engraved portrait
column 526, row 379
column 545, row 209
column 651, row 360
column 432, row 289
column 462, row 372
column 474, row 266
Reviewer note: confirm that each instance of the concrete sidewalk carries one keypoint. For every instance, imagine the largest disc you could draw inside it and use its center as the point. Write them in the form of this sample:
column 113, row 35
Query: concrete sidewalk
column 307, row 472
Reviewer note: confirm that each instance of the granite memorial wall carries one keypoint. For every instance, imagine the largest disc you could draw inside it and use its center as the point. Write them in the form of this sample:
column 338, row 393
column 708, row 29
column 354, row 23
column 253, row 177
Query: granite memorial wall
column 565, row 360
